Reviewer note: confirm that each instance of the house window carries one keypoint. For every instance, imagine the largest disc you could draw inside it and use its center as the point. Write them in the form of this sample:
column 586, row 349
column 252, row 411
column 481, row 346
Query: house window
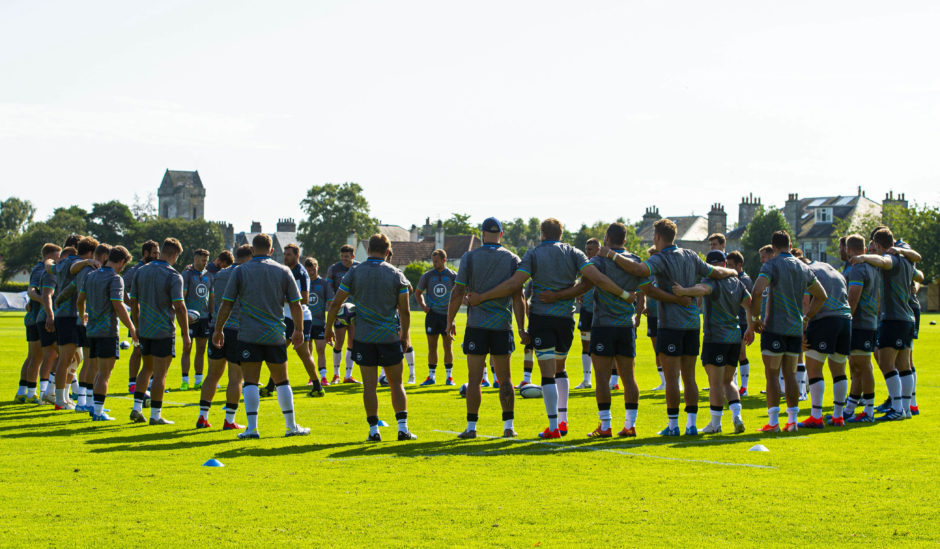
column 823, row 215
column 194, row 213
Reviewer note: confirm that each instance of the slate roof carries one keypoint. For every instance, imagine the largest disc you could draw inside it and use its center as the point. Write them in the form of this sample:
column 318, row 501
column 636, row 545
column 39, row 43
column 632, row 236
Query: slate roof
column 174, row 178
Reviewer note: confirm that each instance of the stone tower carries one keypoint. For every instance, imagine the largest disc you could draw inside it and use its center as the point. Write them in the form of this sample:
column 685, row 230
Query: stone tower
column 747, row 210
column 717, row 219
column 181, row 195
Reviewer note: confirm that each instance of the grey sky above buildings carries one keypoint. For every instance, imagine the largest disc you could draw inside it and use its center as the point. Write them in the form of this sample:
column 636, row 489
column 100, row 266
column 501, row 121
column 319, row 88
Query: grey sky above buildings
column 582, row 111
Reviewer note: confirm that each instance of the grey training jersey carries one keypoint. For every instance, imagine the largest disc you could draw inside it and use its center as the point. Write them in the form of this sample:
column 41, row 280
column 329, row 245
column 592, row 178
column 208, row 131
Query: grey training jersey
column 437, row 286
column 481, row 270
column 721, row 309
column 64, row 277
column 587, row 302
column 129, row 276
column 609, row 309
column 219, row 282
column 749, row 286
column 789, row 277
column 197, row 286
column 46, row 282
column 321, row 291
column 261, row 286
column 652, row 306
column 869, row 279
column 682, row 266
column 157, row 286
column 837, row 294
column 553, row 266
column 79, row 282
column 35, row 280
column 374, row 286
column 336, row 272
column 101, row 288
column 897, row 289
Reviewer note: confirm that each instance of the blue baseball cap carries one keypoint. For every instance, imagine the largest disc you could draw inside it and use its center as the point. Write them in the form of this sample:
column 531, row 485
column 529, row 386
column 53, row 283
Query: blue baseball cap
column 492, row 225
column 716, row 256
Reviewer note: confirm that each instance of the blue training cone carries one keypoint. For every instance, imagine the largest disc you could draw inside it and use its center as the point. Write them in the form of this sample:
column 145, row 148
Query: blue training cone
column 213, row 463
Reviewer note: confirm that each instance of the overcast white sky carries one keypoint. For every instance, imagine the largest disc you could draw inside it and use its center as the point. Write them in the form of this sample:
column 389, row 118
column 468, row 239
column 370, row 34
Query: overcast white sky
column 578, row 110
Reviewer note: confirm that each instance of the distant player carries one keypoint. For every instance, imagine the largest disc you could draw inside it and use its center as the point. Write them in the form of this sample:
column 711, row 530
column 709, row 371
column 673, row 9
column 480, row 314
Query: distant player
column 651, row 310
column 335, row 274
column 45, row 322
column 722, row 340
column 84, row 401
column 197, row 293
column 379, row 290
column 228, row 352
column 26, row 393
column 320, row 293
column 260, row 287
column 677, row 335
column 437, row 283
column 101, row 297
column 528, row 350
column 828, row 336
column 865, row 288
column 156, row 297
column 148, row 252
column 781, row 325
column 302, row 278
column 716, row 241
column 586, row 319
column 736, row 261
column 552, row 265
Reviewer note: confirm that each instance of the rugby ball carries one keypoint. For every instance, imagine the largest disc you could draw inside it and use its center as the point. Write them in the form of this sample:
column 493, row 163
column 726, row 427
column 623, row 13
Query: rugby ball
column 192, row 314
column 125, row 345
column 463, row 391
column 530, row 391
column 346, row 313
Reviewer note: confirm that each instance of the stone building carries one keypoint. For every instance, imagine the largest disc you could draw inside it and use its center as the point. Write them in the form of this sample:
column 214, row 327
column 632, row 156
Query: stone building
column 181, row 195
column 285, row 233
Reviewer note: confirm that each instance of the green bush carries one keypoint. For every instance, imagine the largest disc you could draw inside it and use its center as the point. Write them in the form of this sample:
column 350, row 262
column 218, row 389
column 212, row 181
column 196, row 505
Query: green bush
column 13, row 286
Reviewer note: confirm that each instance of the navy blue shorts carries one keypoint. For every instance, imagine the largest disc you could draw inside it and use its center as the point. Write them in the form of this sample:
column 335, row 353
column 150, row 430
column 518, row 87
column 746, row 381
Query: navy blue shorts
column 317, row 332
column 46, row 338
column 721, row 354
column 613, row 341
column 289, row 328
column 652, row 326
column 66, row 331
column 895, row 334
column 374, row 355
column 551, row 332
column 104, row 347
column 435, row 323
column 32, row 332
column 255, row 352
column 864, row 340
column 478, row 341
column 200, row 329
column 830, row 335
column 159, row 348
column 784, row 344
column 229, row 350
column 585, row 320
column 677, row 342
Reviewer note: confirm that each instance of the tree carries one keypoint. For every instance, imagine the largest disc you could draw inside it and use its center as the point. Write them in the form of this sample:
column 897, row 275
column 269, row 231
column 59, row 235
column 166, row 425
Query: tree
column 111, row 222
column 194, row 234
column 415, row 269
column 144, row 209
column 757, row 234
column 71, row 219
column 332, row 212
column 22, row 251
column 15, row 216
column 459, row 223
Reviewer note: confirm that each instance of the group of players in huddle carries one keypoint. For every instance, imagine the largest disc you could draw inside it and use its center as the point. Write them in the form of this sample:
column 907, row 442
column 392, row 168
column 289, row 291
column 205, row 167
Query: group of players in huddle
column 244, row 309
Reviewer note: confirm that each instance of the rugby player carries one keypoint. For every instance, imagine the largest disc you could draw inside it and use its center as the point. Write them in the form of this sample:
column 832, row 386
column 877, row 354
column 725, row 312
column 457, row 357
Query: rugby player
column 379, row 290
column 149, row 251
column 260, row 287
column 781, row 325
column 438, row 283
column 651, row 310
column 197, row 293
column 335, row 274
column 156, row 296
column 586, row 320
column 865, row 287
column 45, row 321
column 320, row 293
column 26, row 392
column 716, row 241
column 736, row 261
column 84, row 401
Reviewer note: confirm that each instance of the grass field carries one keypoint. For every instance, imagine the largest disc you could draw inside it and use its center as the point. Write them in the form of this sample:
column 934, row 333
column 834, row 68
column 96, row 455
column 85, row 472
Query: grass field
column 70, row 481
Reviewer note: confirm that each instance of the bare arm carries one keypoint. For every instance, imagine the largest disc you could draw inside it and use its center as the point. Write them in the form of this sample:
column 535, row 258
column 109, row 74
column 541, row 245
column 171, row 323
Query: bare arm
column 918, row 276
column 572, row 292
column 819, row 298
column 911, row 255
column 663, row 296
column 855, row 295
column 749, row 333
column 518, row 309
column 419, row 299
column 34, row 295
column 297, row 315
column 218, row 339
column 121, row 313
column 641, row 270
column 80, row 305
column 881, row 261
column 47, row 307
column 507, row 287
column 603, row 282
column 77, row 266
column 404, row 314
column 759, row 286
column 65, row 294
column 456, row 299
column 183, row 320
column 698, row 290
column 719, row 273
column 135, row 310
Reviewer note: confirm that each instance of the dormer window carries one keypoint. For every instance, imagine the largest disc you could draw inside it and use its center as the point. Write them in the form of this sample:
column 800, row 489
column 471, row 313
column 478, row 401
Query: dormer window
column 823, row 215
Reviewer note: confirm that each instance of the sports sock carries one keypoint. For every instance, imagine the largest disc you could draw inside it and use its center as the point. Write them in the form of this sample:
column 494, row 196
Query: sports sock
column 402, row 418
column 603, row 413
column 139, row 400
column 527, row 376
column 850, row 404
column 60, row 396
column 410, row 358
column 449, row 370
column 337, row 360
column 198, row 379
column 230, row 408
column 816, row 388
column 735, row 407
column 186, row 380
column 716, row 412
column 801, row 377
column 550, row 397
column 561, row 383
column 373, row 424
column 43, row 385
column 907, row 387
column 349, row 363
column 285, row 399
column 672, row 414
column 130, row 383
column 472, row 421
column 508, row 418
column 792, row 413
column 869, row 404
column 21, row 389
column 691, row 413
column 486, row 374
column 914, row 388
column 840, row 386
column 893, row 381
column 773, row 415
column 614, row 380
column 630, row 418
column 252, row 398
column 204, row 406
column 322, row 372
column 745, row 371
column 586, row 367
column 30, row 389
column 76, row 387
column 662, row 376
column 432, row 371
column 80, row 395
column 156, row 406
column 99, row 403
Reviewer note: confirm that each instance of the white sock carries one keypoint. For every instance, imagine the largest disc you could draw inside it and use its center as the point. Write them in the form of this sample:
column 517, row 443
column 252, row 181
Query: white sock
column 403, row 421
column 449, row 369
column 138, row 405
column 99, row 408
column 229, row 414
column 80, row 396
column 507, row 424
column 432, row 372
column 773, row 415
column 716, row 418
column 252, row 396
column 30, row 392
column 561, row 384
column 550, row 397
column 586, row 367
column 471, row 425
column 373, row 429
column 816, row 390
column 204, row 412
column 614, row 380
column 21, row 390
column 745, row 374
column 839, row 389
column 349, row 363
column 322, row 372
column 735, row 410
column 43, row 385
column 673, row 421
column 907, row 387
column 690, row 419
column 76, row 388
column 630, row 419
column 60, row 396
column 155, row 411
column 198, row 379
column 914, row 387
column 186, row 380
column 486, row 374
column 285, row 399
column 527, row 377
column 410, row 358
column 337, row 360
column 893, row 381
column 792, row 413
column 604, row 416
column 662, row 376
column 801, row 377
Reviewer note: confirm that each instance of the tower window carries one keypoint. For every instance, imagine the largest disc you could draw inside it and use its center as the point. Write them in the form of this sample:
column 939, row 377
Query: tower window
column 194, row 213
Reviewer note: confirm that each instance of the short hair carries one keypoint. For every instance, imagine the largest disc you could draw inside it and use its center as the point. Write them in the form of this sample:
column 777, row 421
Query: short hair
column 855, row 242
column 379, row 244
column 842, row 241
column 780, row 240
column 243, row 251
column 201, row 252
column 616, row 233
column 118, row 254
column 50, row 248
column 717, row 236
column 86, row 245
column 102, row 249
column 884, row 238
column 261, row 241
column 292, row 247
column 439, row 253
column 736, row 257
column 71, row 240
column 172, row 245
column 766, row 249
column 652, row 250
column 68, row 250
column 871, row 235
column 149, row 246
column 311, row 262
column 592, row 241
column 346, row 249
column 226, row 257
column 666, row 229
column 551, row 228
column 796, row 252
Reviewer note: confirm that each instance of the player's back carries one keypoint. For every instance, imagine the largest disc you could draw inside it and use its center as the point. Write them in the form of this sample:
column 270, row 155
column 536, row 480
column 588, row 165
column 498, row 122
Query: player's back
column 868, row 309
column 610, row 309
column 156, row 286
column 721, row 309
column 788, row 279
column 481, row 270
column 374, row 287
column 553, row 266
column 896, row 304
column 837, row 295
